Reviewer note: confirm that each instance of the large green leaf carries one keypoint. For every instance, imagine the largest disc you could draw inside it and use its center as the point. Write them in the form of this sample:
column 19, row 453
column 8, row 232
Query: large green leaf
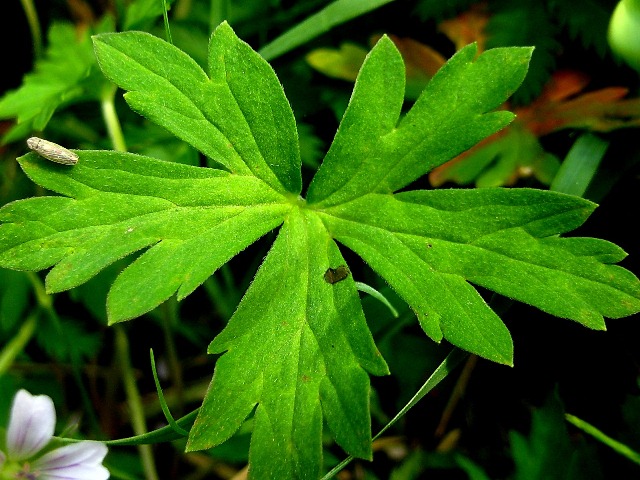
column 67, row 74
column 296, row 347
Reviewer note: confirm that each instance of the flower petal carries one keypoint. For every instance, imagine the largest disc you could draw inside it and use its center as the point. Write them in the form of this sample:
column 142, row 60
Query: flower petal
column 78, row 461
column 31, row 424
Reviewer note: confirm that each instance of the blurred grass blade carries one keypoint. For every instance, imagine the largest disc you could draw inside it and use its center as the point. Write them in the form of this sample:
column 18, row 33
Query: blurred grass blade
column 334, row 14
column 619, row 447
column 580, row 165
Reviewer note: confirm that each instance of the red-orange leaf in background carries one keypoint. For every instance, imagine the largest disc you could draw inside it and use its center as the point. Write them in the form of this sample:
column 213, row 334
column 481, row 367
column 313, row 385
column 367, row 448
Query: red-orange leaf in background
column 601, row 110
column 468, row 27
column 515, row 152
column 421, row 62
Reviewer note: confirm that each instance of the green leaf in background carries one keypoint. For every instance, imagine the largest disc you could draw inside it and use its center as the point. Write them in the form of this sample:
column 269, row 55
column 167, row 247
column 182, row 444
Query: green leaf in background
column 297, row 350
column 69, row 340
column 516, row 152
column 334, row 14
column 587, row 23
column 526, row 23
column 14, row 295
column 66, row 74
column 580, row 165
column 548, row 452
column 141, row 14
column 343, row 63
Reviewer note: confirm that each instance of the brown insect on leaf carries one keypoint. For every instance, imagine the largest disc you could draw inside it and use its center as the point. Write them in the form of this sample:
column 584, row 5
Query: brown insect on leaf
column 335, row 275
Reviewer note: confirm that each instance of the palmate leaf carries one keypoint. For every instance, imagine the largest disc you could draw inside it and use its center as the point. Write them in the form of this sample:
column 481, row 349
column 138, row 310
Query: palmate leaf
column 297, row 349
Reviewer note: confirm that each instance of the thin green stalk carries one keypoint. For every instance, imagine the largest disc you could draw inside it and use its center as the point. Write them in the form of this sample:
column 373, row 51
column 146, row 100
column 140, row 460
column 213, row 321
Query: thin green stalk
column 166, row 22
column 134, row 401
column 455, row 357
column 107, row 103
column 332, row 15
column 217, row 13
column 34, row 26
column 163, row 403
column 45, row 302
column 363, row 287
column 169, row 319
column 43, row 299
column 13, row 348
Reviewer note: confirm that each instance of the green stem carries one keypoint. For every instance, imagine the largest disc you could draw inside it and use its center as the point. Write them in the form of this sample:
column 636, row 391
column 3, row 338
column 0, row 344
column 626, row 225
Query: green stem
column 43, row 299
column 169, row 319
column 134, row 401
column 166, row 22
column 45, row 302
column 217, row 13
column 34, row 26
column 455, row 357
column 107, row 103
column 13, row 348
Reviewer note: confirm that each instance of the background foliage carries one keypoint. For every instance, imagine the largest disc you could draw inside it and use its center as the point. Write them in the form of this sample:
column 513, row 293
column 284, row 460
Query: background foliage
column 486, row 421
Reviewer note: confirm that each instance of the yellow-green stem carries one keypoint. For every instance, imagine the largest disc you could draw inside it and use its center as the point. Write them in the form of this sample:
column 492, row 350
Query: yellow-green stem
column 11, row 350
column 45, row 302
column 134, row 401
column 107, row 103
column 170, row 318
column 34, row 26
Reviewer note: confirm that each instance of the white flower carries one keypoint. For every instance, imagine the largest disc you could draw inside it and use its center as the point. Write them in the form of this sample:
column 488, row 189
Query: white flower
column 30, row 429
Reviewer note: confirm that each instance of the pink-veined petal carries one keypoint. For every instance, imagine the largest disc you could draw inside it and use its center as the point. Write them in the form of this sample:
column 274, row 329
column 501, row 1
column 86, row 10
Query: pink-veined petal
column 31, row 424
column 78, row 461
